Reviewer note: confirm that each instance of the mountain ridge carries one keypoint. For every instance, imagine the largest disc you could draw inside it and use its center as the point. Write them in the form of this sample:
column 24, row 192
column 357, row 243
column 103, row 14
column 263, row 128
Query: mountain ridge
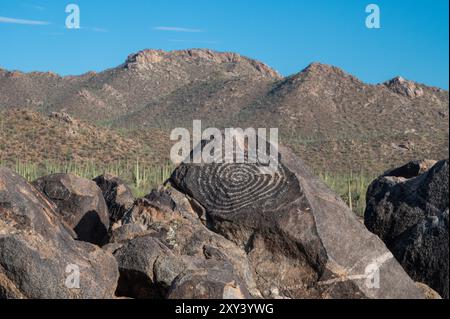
column 322, row 112
column 144, row 54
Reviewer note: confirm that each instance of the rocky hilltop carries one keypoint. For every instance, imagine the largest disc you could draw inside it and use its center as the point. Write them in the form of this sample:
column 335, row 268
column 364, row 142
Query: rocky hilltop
column 150, row 59
column 327, row 116
column 144, row 77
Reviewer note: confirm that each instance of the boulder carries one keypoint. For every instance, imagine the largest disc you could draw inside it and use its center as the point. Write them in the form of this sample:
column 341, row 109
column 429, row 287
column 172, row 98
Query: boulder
column 117, row 195
column 150, row 270
column 64, row 117
column 162, row 247
column 411, row 169
column 411, row 216
column 124, row 233
column 148, row 213
column 80, row 203
column 300, row 238
column 39, row 258
column 405, row 87
column 213, row 280
column 147, row 268
column 427, row 291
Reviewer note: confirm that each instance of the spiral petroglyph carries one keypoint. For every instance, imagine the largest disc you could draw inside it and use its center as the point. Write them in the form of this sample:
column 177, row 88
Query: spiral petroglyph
column 231, row 187
column 286, row 218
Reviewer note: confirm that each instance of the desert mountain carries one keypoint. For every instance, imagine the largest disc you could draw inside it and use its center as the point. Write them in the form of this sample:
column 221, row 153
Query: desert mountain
column 330, row 118
column 32, row 137
column 144, row 77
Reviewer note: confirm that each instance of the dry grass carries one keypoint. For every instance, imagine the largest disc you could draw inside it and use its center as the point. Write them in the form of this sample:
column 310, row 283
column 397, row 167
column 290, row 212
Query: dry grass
column 143, row 178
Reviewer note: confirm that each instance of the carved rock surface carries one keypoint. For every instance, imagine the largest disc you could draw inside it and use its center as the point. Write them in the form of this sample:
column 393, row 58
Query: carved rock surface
column 300, row 238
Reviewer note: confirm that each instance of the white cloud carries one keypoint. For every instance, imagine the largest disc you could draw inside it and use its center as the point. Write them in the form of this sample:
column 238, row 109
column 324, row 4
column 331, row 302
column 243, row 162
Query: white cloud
column 178, row 29
column 96, row 29
column 33, row 6
column 22, row 21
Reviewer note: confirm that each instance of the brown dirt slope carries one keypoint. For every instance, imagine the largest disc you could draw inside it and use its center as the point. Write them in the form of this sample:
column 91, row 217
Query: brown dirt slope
column 334, row 121
column 29, row 136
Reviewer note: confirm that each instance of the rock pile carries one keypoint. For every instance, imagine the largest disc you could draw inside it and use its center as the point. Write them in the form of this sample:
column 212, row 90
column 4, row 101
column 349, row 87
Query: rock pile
column 39, row 257
column 211, row 231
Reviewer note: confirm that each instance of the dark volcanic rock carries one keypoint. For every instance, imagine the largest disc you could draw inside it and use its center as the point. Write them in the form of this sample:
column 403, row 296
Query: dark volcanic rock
column 411, row 169
column 127, row 232
column 117, row 195
column 188, row 252
column 38, row 255
column 411, row 217
column 80, row 202
column 147, row 268
column 215, row 280
column 300, row 238
column 161, row 198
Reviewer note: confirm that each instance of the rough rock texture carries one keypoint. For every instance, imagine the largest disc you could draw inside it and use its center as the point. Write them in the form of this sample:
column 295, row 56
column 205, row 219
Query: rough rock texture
column 411, row 216
column 36, row 249
column 163, row 250
column 404, row 87
column 427, row 291
column 146, row 59
column 411, row 169
column 117, row 195
column 80, row 202
column 300, row 239
column 147, row 268
column 214, row 280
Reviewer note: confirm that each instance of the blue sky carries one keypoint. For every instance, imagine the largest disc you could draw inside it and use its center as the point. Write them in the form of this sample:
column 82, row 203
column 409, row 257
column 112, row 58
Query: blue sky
column 285, row 34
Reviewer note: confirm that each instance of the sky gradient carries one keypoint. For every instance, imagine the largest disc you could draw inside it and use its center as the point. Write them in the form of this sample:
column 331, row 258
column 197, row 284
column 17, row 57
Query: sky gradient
column 287, row 35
